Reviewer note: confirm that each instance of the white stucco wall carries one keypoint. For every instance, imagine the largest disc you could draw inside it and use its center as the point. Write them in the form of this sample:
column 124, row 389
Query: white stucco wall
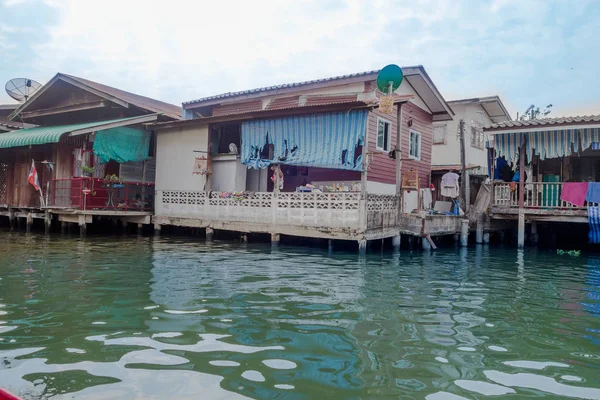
column 449, row 153
column 175, row 158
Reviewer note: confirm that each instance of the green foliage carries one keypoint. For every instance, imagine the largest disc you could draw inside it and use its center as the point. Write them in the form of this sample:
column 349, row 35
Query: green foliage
column 534, row 112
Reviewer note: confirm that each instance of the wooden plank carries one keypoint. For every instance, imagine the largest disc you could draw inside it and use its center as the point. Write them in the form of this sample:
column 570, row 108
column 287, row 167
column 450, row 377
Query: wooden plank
column 63, row 109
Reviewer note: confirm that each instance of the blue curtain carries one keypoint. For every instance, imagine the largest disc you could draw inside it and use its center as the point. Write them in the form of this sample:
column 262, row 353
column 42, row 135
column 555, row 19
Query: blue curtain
column 318, row 140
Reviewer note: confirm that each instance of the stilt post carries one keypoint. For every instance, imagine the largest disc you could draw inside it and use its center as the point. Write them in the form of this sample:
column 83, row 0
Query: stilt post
column 209, row 234
column 464, row 232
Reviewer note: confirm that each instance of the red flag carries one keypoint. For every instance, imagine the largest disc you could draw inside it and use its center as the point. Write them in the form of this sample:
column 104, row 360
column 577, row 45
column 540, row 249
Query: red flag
column 33, row 177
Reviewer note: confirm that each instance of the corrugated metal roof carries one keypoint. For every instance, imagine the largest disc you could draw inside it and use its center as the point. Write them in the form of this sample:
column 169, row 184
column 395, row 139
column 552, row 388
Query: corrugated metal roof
column 47, row 134
column 258, row 113
column 283, row 86
column 546, row 121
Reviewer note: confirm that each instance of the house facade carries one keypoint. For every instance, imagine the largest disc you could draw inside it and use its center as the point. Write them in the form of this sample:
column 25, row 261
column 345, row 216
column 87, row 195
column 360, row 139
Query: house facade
column 91, row 150
column 315, row 159
column 477, row 113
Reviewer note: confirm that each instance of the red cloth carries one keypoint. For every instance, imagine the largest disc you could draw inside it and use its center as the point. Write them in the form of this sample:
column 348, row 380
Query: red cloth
column 4, row 395
column 574, row 193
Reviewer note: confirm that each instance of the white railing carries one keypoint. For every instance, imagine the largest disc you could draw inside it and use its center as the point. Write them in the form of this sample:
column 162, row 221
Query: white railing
column 382, row 211
column 329, row 210
column 537, row 195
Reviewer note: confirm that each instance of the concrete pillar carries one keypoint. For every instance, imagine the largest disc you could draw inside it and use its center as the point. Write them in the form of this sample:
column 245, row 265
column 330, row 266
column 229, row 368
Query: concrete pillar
column 63, row 227
column 425, row 244
column 362, row 247
column 125, row 227
column 82, row 225
column 456, row 238
column 411, row 242
column 140, row 229
column 157, row 228
column 330, row 245
column 29, row 222
column 534, row 233
column 209, row 234
column 396, row 242
column 244, row 237
column 275, row 238
column 521, row 231
column 479, row 229
column 486, row 238
column 464, row 232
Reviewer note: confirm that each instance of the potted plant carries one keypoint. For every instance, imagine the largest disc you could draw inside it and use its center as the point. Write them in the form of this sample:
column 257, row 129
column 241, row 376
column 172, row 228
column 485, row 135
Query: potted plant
column 87, row 171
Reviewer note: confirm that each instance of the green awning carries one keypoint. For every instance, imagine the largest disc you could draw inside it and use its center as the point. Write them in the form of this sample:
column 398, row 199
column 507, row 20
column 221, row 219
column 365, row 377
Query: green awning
column 52, row 134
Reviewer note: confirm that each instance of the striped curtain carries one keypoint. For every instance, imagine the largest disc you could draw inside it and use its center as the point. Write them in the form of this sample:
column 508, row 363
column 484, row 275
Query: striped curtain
column 546, row 144
column 316, row 140
column 507, row 145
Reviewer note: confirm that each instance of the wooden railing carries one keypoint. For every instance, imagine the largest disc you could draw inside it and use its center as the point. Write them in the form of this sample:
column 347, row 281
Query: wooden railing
column 537, row 195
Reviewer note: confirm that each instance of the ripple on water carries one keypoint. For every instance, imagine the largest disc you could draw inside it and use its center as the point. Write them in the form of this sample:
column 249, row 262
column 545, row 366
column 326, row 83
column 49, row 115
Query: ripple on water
column 185, row 312
column 253, row 376
column 484, row 388
column 542, row 383
column 497, row 348
column 283, row 386
column 539, row 365
column 276, row 363
column 224, row 363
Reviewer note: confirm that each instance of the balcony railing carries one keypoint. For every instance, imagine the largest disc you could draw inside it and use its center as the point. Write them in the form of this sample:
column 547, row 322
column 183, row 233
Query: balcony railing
column 328, row 210
column 544, row 195
column 98, row 194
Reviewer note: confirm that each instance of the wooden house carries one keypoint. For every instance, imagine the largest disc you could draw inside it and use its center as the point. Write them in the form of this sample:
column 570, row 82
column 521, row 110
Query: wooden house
column 315, row 159
column 557, row 159
column 91, row 149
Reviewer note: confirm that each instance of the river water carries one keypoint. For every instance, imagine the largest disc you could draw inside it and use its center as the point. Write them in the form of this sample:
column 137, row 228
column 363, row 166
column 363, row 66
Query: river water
column 136, row 317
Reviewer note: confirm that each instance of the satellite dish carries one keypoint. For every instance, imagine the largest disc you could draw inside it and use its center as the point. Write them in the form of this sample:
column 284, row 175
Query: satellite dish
column 390, row 75
column 21, row 89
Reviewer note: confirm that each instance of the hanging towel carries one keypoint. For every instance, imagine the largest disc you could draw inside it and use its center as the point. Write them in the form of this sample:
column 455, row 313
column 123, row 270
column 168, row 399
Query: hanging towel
column 594, row 222
column 593, row 192
column 574, row 193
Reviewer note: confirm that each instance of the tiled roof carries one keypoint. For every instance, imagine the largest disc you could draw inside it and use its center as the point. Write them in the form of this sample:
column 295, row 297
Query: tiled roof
column 547, row 121
column 283, row 86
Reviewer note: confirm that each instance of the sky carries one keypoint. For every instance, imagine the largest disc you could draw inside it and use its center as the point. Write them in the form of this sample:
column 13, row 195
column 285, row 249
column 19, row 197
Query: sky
column 525, row 51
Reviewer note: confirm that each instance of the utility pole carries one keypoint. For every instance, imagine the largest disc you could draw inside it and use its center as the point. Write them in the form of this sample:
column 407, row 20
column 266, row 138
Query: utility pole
column 463, row 164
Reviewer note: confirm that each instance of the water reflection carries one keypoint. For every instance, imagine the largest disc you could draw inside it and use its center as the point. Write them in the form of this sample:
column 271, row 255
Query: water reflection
column 101, row 318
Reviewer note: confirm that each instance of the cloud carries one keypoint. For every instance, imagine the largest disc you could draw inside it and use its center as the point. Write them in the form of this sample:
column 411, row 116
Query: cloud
column 181, row 50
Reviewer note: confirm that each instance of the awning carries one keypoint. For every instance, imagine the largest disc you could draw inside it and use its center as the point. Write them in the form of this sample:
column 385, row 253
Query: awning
column 52, row 134
column 545, row 144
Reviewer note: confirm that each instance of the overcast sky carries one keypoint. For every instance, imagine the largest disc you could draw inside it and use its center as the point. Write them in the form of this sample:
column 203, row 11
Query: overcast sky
column 526, row 51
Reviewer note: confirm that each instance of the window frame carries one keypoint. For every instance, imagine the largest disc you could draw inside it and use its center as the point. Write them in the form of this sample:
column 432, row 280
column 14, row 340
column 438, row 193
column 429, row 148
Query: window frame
column 420, row 137
column 477, row 138
column 389, row 135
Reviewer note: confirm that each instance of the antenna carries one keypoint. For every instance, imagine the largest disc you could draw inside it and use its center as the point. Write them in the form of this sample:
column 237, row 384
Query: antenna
column 21, row 89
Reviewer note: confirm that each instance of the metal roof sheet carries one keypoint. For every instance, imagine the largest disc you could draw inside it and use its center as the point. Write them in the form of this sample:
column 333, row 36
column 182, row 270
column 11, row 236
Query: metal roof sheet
column 48, row 134
column 546, row 122
column 283, row 86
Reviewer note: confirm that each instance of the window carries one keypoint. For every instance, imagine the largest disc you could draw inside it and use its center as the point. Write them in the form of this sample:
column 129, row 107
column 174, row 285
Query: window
column 414, row 146
column 383, row 134
column 439, row 134
column 476, row 138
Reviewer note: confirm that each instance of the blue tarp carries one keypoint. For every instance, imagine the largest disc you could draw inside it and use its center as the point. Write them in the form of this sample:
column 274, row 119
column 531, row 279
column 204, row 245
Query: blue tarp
column 122, row 144
column 318, row 140
column 594, row 222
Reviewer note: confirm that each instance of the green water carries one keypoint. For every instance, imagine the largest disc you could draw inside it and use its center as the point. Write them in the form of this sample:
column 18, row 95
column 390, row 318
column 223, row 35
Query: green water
column 128, row 317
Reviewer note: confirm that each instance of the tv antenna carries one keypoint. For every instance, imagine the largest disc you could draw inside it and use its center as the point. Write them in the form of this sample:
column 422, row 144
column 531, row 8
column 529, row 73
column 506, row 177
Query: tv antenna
column 21, row 89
